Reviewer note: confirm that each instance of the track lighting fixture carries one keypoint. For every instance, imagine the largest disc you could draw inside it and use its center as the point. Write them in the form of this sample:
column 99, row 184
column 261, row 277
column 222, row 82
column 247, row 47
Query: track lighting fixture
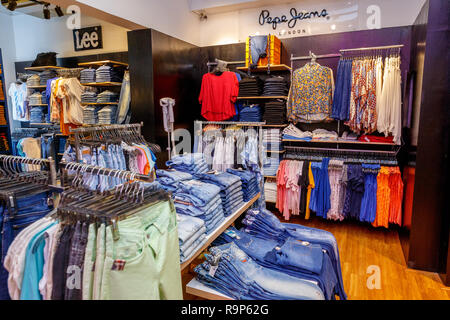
column 59, row 11
column 12, row 5
column 46, row 11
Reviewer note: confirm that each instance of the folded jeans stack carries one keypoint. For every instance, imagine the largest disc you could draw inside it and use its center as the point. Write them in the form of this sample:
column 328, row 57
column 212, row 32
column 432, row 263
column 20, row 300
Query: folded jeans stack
column 37, row 114
column 107, row 115
column 191, row 235
column 250, row 87
column 230, row 189
column 275, row 112
column 35, row 99
column 250, row 187
column 170, row 178
column 87, row 75
column 34, row 81
column 201, row 200
column 229, row 270
column 88, row 97
column 192, row 163
column 90, row 115
column 251, row 113
column 271, row 165
column 47, row 75
column 275, row 86
column 107, row 74
column 107, row 97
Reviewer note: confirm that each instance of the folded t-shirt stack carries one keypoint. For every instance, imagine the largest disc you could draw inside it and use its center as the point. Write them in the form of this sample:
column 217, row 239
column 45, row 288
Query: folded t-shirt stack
column 87, row 75
column 201, row 200
column 107, row 74
column 275, row 112
column 275, row 86
column 272, row 139
column 230, row 189
column 250, row 87
column 250, row 187
column 170, row 178
column 294, row 133
column 47, row 75
column 35, row 98
column 107, row 97
column 34, row 81
column 88, row 97
column 271, row 165
column 191, row 235
column 191, row 162
column 251, row 113
column 322, row 134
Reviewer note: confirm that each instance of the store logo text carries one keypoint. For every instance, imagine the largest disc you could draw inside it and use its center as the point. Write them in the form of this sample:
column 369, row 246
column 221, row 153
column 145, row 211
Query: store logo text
column 265, row 17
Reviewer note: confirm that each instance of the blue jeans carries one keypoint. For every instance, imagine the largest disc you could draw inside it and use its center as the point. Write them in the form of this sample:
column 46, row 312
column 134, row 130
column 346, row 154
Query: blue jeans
column 203, row 192
column 258, row 47
column 172, row 176
column 193, row 210
column 224, row 180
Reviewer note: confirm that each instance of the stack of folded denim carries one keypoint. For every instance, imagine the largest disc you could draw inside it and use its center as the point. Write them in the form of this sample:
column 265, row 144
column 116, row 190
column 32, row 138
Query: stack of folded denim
column 192, row 162
column 292, row 132
column 107, row 74
column 271, row 165
column 34, row 81
column 262, row 224
column 107, row 97
column 47, row 75
column 275, row 112
column 230, row 189
column 87, row 75
column 231, row 271
column 272, row 140
column 250, row 187
column 201, row 200
column 191, row 235
column 107, row 115
column 251, row 113
column 88, row 97
column 275, row 86
column 90, row 115
column 35, row 98
column 170, row 178
column 37, row 114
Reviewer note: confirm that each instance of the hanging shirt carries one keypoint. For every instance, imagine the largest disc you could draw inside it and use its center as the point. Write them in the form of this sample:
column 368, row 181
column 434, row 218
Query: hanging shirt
column 18, row 94
column 311, row 94
column 218, row 94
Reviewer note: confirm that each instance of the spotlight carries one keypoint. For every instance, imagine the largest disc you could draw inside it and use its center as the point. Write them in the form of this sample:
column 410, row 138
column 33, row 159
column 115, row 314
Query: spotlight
column 12, row 5
column 59, row 11
column 46, row 12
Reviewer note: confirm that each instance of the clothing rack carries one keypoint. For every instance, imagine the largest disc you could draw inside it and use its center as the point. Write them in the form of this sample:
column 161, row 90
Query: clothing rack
column 313, row 57
column 393, row 153
column 10, row 165
column 399, row 46
column 87, row 168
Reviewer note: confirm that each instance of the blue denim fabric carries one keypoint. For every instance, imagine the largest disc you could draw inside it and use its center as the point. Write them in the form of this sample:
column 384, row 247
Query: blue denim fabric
column 172, row 176
column 187, row 226
column 200, row 193
column 224, row 180
column 193, row 210
column 320, row 194
column 369, row 201
column 48, row 147
column 258, row 47
column 354, row 192
column 185, row 245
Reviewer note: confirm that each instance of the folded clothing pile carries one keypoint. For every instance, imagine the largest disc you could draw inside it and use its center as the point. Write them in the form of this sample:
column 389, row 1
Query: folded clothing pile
column 90, row 115
column 294, row 133
column 250, row 187
column 231, row 271
column 170, row 178
column 107, row 115
column 88, row 97
column 87, row 75
column 272, row 139
column 35, row 98
column 251, row 113
column 107, row 97
column 230, row 189
column 346, row 136
column 107, row 74
column 322, row 134
column 373, row 138
column 271, row 165
column 201, row 200
column 275, row 112
column 275, row 86
column 192, row 162
column 270, row 191
column 34, row 81
column 250, row 87
column 47, row 75
column 191, row 235
column 37, row 114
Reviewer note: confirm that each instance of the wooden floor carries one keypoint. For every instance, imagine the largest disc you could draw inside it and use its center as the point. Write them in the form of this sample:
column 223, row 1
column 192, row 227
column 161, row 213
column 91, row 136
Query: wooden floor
column 361, row 246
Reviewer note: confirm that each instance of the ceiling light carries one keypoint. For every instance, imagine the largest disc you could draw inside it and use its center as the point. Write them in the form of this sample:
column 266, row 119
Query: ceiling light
column 12, row 5
column 59, row 11
column 46, row 12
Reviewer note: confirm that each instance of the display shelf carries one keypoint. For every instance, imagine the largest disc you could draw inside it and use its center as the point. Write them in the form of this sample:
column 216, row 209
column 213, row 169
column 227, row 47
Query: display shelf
column 102, row 84
column 275, row 125
column 223, row 226
column 341, row 142
column 273, row 67
column 38, row 105
column 36, row 87
column 196, row 288
column 99, row 104
column 274, row 177
column 42, row 124
column 262, row 98
column 43, row 68
column 103, row 62
column 276, row 151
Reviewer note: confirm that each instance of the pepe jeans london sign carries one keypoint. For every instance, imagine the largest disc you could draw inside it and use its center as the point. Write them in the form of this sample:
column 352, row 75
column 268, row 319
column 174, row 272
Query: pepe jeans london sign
column 265, row 18
column 89, row 38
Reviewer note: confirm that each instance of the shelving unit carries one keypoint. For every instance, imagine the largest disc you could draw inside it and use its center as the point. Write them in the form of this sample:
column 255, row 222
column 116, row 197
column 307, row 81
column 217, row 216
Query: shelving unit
column 38, row 105
column 42, row 68
column 228, row 221
column 102, row 84
column 273, row 67
column 103, row 62
column 6, row 127
column 36, row 87
column 99, row 104
column 341, row 142
column 262, row 98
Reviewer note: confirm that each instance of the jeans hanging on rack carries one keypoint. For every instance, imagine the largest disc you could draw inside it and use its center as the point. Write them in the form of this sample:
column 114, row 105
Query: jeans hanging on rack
column 258, row 47
column 125, row 99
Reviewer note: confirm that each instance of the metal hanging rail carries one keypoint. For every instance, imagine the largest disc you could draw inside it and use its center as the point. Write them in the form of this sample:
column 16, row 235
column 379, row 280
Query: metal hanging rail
column 320, row 56
column 373, row 48
column 239, row 123
column 49, row 163
column 393, row 153
column 107, row 127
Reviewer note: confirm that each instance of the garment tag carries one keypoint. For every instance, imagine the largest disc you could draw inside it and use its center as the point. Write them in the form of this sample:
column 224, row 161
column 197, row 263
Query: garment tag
column 255, row 211
column 118, row 265
column 230, row 233
column 212, row 270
